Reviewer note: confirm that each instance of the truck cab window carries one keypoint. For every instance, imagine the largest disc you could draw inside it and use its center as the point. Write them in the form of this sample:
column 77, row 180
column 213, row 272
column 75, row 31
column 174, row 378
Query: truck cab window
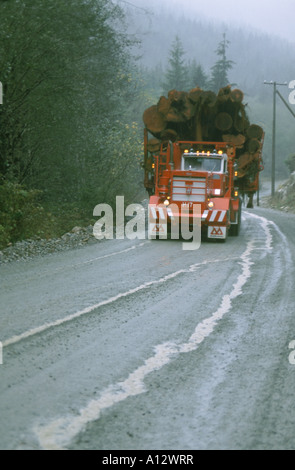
column 193, row 163
column 202, row 164
column 212, row 164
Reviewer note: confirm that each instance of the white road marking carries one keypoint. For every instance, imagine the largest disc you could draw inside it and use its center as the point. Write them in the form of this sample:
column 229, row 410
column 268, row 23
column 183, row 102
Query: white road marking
column 115, row 253
column 60, row 432
column 206, row 327
column 265, row 223
column 92, row 260
column 40, row 329
column 99, row 258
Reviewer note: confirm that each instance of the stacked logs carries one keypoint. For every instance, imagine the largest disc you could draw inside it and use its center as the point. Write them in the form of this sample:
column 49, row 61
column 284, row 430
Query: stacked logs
column 201, row 115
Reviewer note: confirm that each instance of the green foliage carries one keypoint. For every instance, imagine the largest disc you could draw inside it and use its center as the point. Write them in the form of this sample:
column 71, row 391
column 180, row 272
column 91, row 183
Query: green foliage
column 198, row 75
column 220, row 69
column 290, row 162
column 257, row 57
column 185, row 76
column 285, row 196
column 68, row 123
column 116, row 164
column 65, row 67
column 176, row 75
column 21, row 216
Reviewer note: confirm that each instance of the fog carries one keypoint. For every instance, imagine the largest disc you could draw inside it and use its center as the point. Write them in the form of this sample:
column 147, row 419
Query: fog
column 261, row 46
column 275, row 17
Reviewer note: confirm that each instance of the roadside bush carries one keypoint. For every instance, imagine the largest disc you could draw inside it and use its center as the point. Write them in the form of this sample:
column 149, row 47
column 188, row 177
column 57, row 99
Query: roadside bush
column 290, row 162
column 21, row 215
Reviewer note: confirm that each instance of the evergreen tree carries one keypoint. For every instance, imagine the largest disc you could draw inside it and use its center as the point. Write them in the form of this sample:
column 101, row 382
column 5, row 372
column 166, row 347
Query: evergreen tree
column 176, row 76
column 197, row 75
column 221, row 68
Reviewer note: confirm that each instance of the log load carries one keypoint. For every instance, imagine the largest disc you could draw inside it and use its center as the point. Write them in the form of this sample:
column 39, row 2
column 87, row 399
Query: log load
column 200, row 115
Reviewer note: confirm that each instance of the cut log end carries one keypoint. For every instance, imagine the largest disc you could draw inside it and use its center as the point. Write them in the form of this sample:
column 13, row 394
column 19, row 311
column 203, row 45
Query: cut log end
column 254, row 145
column 237, row 140
column 200, row 115
column 153, row 120
column 255, row 132
column 224, row 93
column 237, row 96
column 223, row 121
column 154, row 145
column 169, row 134
column 195, row 94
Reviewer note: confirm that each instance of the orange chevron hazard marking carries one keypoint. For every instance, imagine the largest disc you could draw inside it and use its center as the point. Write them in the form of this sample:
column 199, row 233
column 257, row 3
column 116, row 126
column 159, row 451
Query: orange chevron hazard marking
column 216, row 232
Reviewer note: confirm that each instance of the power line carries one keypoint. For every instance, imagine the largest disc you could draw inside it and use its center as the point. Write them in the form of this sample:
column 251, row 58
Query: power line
column 285, row 103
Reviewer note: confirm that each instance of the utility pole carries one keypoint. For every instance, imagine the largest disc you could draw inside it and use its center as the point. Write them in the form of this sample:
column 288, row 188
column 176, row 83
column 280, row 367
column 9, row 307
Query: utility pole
column 273, row 168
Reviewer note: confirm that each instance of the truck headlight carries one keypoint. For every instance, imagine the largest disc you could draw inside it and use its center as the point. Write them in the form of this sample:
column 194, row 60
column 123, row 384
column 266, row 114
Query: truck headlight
column 211, row 204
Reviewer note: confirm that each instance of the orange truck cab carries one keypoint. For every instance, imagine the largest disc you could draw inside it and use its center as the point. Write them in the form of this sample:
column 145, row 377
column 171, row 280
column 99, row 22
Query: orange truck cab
column 196, row 181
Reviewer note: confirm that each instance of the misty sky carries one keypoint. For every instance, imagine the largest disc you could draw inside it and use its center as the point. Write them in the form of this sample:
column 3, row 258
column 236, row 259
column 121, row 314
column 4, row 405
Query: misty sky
column 271, row 16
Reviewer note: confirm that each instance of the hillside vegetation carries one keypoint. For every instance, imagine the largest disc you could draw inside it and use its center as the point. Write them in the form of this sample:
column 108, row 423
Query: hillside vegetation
column 284, row 198
column 77, row 77
column 256, row 57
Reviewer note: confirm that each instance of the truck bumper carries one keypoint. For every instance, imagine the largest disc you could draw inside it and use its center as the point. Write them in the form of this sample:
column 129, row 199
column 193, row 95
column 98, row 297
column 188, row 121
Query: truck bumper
column 214, row 223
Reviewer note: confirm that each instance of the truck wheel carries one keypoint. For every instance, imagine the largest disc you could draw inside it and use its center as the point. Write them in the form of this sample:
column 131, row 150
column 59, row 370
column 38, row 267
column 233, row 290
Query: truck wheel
column 235, row 229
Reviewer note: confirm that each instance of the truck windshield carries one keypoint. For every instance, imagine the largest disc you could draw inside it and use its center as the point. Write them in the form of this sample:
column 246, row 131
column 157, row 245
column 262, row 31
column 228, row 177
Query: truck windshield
column 202, row 164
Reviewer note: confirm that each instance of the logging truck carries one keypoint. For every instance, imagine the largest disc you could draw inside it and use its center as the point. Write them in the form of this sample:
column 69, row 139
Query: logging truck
column 185, row 175
column 205, row 153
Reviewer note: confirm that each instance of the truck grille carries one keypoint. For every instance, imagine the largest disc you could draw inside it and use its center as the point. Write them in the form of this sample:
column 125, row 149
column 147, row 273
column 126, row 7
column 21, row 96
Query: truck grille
column 188, row 189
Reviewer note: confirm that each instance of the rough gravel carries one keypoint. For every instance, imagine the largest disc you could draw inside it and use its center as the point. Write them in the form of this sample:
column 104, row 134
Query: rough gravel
column 29, row 249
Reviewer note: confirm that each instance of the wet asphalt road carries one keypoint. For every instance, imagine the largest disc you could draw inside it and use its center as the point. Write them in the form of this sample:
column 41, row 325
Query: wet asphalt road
column 141, row 345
